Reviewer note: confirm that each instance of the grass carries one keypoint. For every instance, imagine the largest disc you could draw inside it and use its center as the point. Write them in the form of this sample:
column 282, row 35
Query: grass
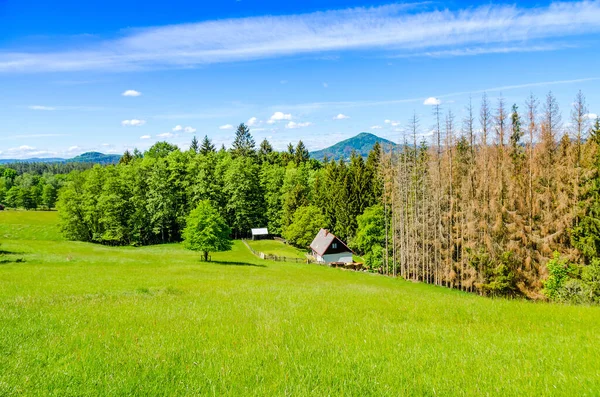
column 274, row 247
column 81, row 319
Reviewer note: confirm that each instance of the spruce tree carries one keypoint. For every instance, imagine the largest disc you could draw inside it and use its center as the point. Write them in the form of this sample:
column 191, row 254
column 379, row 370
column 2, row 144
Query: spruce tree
column 194, row 147
column 243, row 145
column 265, row 148
column 301, row 154
column 126, row 158
column 586, row 235
column 207, row 146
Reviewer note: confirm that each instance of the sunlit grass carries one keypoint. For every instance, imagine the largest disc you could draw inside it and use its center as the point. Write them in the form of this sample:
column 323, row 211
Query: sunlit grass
column 81, row 319
column 274, row 247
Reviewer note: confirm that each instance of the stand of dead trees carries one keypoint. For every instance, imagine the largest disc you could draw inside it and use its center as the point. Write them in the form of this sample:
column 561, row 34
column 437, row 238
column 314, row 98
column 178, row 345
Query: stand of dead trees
column 484, row 205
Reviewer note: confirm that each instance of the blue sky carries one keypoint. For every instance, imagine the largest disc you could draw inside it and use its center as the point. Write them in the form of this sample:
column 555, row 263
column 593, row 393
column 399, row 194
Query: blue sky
column 115, row 75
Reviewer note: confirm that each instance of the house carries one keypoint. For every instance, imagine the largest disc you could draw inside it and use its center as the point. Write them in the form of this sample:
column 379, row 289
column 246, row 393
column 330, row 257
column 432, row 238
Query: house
column 327, row 248
column 260, row 233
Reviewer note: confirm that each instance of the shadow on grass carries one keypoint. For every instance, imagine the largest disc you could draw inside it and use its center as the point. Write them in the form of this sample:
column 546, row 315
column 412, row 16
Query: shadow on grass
column 225, row 263
column 2, row 252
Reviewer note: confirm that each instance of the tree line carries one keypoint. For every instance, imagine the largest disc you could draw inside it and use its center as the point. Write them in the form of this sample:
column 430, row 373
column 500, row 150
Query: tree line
column 29, row 190
column 146, row 198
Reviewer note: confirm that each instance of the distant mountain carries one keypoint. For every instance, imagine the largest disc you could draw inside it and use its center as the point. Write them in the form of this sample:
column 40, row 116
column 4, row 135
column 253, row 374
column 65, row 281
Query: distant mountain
column 90, row 157
column 362, row 144
column 96, row 158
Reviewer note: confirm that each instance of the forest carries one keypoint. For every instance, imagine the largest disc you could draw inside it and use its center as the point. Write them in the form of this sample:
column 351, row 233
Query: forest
column 505, row 201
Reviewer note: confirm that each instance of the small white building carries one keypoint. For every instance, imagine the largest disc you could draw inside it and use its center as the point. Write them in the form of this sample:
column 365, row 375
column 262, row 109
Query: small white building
column 260, row 233
column 327, row 248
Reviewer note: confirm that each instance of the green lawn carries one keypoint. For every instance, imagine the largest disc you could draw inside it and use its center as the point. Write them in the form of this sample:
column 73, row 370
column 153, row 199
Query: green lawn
column 273, row 247
column 79, row 319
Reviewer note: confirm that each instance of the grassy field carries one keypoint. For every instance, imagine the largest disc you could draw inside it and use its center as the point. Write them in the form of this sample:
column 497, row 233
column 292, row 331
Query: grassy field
column 273, row 247
column 80, row 319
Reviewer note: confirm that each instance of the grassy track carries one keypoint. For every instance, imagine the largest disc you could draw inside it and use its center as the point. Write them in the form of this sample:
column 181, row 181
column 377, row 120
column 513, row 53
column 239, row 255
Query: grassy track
column 273, row 247
column 79, row 319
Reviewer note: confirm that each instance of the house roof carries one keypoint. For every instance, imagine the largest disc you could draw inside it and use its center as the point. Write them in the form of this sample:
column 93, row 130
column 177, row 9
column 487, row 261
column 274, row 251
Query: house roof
column 323, row 240
column 263, row 231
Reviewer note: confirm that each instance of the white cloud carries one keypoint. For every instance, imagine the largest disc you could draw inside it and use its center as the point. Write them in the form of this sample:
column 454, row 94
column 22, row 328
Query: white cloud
column 177, row 128
column 145, row 137
column 252, row 122
column 226, row 127
column 392, row 123
column 131, row 93
column 73, row 148
column 398, row 27
column 293, row 125
column 189, row 130
column 432, row 101
column 133, row 122
column 166, row 135
column 376, row 127
column 38, row 107
column 22, row 148
column 341, row 117
column 279, row 116
column 591, row 116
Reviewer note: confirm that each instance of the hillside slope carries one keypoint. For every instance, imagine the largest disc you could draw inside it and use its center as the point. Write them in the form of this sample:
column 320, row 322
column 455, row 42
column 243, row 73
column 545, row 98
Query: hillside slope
column 361, row 143
column 158, row 321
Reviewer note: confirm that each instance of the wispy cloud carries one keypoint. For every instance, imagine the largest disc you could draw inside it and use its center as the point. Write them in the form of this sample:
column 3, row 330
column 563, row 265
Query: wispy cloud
column 39, row 107
column 473, row 51
column 226, row 127
column 389, row 28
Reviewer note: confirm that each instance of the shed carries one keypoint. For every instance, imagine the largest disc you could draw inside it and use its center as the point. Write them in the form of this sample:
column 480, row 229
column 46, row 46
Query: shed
column 327, row 248
column 260, row 233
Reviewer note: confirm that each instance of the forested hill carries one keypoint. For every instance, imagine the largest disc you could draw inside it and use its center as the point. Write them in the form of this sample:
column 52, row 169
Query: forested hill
column 90, row 157
column 361, row 143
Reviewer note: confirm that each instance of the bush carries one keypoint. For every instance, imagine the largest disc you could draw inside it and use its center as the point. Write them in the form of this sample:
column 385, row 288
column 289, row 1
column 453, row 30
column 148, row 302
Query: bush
column 559, row 271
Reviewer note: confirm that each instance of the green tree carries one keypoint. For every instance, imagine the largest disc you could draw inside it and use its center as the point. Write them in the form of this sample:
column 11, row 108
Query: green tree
column 206, row 231
column 585, row 236
column 207, row 146
column 307, row 222
column 126, row 158
column 49, row 196
column 265, row 148
column 194, row 146
column 161, row 150
column 12, row 197
column 245, row 205
column 301, row 154
column 243, row 144
column 370, row 236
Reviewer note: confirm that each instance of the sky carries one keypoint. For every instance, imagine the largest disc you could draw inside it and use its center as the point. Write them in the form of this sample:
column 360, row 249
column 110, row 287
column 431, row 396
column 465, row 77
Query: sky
column 79, row 76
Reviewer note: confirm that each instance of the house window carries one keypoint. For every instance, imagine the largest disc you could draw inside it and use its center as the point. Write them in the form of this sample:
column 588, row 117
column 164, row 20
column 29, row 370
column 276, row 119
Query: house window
column 334, row 245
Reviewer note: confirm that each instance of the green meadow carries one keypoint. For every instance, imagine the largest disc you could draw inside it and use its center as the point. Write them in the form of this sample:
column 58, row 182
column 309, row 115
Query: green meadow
column 78, row 319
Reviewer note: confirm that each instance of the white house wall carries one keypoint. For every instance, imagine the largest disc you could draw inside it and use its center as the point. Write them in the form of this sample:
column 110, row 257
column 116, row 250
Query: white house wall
column 343, row 257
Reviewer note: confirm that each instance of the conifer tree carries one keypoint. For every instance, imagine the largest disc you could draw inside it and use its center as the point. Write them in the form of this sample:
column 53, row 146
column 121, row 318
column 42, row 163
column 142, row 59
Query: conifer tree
column 206, row 147
column 243, row 144
column 194, row 146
